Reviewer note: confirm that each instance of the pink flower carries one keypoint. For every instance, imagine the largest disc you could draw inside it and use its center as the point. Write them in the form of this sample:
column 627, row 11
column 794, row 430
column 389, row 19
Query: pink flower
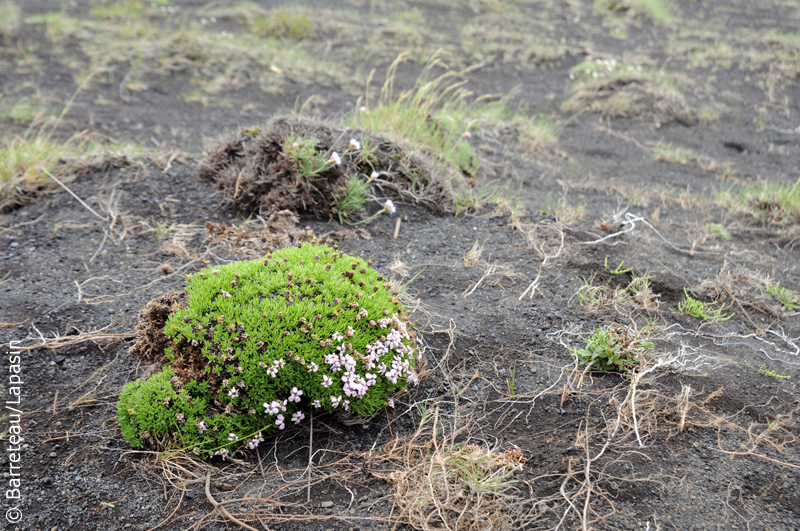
column 273, row 407
column 316, row 404
column 225, row 293
column 327, row 381
column 223, row 452
column 335, row 400
column 233, row 437
column 313, row 367
column 201, row 426
column 233, row 393
column 355, row 144
column 279, row 422
column 254, row 442
column 296, row 394
column 466, row 134
column 297, row 417
column 336, row 159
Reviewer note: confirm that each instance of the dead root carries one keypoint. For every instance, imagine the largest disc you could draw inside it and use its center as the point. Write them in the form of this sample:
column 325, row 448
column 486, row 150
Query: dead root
column 744, row 288
column 442, row 484
column 279, row 230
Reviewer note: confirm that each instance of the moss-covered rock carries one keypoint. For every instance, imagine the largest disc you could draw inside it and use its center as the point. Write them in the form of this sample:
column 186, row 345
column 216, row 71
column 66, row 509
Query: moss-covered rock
column 261, row 344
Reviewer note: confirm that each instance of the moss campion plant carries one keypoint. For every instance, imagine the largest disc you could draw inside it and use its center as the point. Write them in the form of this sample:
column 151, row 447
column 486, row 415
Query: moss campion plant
column 262, row 344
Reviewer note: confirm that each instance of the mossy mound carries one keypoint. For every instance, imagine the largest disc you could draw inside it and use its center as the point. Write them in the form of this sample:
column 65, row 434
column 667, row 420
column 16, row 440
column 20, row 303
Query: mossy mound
column 255, row 172
column 259, row 344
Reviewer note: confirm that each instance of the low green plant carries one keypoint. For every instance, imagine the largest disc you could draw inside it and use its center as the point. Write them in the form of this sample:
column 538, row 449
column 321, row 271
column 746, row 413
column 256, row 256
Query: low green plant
column 615, row 349
column 766, row 372
column 513, row 378
column 351, row 199
column 784, row 296
column 303, row 152
column 718, row 230
column 702, row 310
column 261, row 343
column 617, row 270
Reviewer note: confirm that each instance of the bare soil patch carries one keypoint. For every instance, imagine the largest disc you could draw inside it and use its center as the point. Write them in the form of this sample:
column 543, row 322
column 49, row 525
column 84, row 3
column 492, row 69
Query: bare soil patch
column 610, row 226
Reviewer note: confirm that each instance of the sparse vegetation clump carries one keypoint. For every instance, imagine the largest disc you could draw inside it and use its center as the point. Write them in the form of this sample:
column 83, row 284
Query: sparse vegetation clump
column 254, row 346
column 615, row 350
column 308, row 166
column 439, row 116
column 656, row 10
column 674, row 154
column 284, row 24
column 619, row 90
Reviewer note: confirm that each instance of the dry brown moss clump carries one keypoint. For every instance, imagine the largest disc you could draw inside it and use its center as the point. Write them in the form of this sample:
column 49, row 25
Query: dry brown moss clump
column 254, row 169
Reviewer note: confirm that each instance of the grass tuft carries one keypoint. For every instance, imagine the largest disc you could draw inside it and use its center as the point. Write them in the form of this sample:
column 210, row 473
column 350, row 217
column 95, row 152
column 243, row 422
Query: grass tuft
column 438, row 115
column 24, row 159
column 674, row 154
column 284, row 24
column 771, row 201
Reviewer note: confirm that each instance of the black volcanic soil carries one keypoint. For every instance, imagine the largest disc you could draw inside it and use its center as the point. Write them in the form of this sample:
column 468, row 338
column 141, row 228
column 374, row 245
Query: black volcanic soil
column 717, row 438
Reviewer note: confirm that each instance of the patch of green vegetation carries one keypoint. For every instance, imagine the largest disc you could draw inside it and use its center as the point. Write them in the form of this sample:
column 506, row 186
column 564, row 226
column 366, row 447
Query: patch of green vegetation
column 215, row 61
column 26, row 159
column 437, row 115
column 303, row 152
column 674, row 154
column 22, row 111
column 615, row 349
column 656, row 10
column 784, row 296
column 120, row 10
column 769, row 200
column 284, row 23
column 786, row 38
column 702, row 310
column 275, row 336
column 350, row 201
column 718, row 230
column 9, row 18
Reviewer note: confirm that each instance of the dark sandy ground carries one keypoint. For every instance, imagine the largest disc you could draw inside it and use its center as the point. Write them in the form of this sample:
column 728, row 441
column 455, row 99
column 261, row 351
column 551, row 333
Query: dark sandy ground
column 712, row 443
